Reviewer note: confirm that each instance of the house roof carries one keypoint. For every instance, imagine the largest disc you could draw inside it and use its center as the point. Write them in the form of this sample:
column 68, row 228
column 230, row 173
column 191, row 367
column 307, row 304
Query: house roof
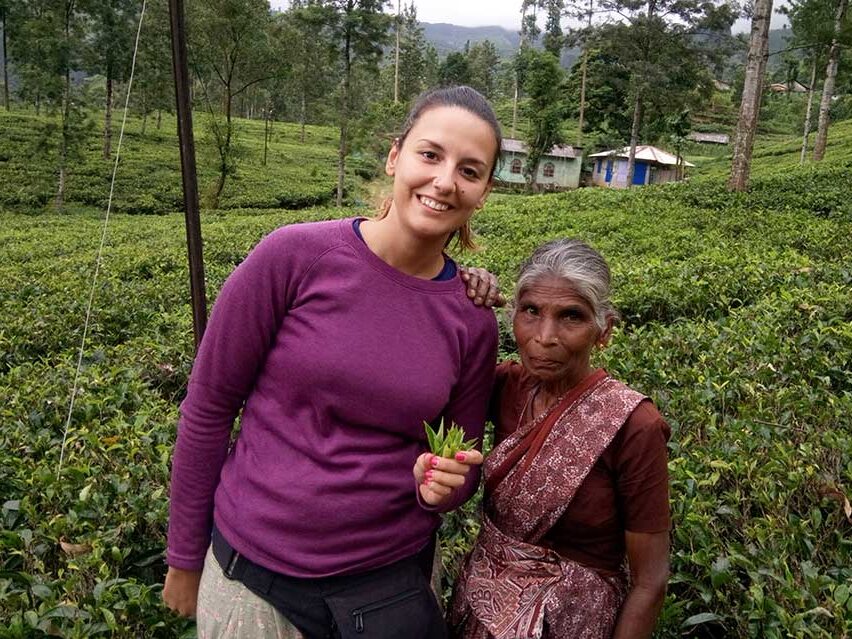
column 644, row 152
column 559, row 151
column 716, row 138
column 783, row 87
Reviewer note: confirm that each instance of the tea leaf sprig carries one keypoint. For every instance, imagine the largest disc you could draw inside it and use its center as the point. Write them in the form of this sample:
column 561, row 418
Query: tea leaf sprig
column 447, row 443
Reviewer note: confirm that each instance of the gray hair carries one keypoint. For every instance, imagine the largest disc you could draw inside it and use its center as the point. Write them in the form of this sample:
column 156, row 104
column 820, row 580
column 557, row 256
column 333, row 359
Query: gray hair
column 576, row 263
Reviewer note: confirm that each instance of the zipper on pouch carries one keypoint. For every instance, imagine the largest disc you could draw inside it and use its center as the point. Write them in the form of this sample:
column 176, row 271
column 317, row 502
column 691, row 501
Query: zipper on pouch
column 359, row 613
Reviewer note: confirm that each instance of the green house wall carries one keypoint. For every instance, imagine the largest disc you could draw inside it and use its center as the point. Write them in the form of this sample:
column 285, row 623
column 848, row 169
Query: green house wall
column 566, row 171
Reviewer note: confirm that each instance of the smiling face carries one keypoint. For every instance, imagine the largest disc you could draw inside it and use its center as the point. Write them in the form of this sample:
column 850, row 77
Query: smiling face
column 441, row 171
column 556, row 331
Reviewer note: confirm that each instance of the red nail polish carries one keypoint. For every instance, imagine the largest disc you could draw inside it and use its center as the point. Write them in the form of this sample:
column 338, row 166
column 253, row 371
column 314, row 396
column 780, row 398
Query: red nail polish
column 434, row 461
column 428, row 475
column 460, row 457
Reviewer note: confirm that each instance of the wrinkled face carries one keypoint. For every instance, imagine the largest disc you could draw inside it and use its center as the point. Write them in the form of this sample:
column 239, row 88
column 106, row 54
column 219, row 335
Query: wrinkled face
column 556, row 331
column 441, row 172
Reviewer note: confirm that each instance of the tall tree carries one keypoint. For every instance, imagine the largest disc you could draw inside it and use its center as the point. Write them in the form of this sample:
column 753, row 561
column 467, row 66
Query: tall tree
column 48, row 49
column 9, row 12
column 303, row 36
column 231, row 48
column 553, row 39
column 752, row 89
column 154, row 88
column 830, row 79
column 543, row 79
column 360, row 29
column 112, row 26
column 483, row 61
column 529, row 34
column 583, row 11
column 812, row 29
column 413, row 56
column 455, row 69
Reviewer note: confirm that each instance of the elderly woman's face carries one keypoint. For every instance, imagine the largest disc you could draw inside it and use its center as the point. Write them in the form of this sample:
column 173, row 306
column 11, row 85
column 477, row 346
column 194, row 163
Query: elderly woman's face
column 556, row 331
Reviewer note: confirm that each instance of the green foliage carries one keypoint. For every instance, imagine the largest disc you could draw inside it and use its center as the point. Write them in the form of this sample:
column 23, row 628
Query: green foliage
column 737, row 319
column 447, row 444
column 148, row 180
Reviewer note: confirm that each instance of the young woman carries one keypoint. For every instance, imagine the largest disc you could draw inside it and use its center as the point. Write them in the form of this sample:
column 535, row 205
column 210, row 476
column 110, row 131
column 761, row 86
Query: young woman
column 337, row 340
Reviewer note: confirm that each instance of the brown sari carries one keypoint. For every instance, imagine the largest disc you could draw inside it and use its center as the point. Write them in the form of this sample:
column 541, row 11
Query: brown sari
column 511, row 587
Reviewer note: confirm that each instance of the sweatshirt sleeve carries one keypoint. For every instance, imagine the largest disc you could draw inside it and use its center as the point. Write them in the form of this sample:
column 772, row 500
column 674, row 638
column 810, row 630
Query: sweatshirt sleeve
column 469, row 401
column 241, row 330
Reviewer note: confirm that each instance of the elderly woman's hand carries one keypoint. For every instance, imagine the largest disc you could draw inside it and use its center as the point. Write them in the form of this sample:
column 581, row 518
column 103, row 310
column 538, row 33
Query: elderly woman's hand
column 482, row 286
column 437, row 477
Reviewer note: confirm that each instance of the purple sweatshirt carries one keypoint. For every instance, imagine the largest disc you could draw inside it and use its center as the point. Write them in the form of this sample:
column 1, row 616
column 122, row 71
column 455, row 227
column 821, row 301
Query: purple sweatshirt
column 336, row 359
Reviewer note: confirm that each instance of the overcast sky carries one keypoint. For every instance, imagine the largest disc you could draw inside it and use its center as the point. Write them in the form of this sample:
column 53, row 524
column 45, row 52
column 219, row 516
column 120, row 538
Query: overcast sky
column 504, row 13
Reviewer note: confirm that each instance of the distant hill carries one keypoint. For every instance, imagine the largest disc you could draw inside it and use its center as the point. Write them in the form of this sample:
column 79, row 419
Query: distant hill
column 447, row 38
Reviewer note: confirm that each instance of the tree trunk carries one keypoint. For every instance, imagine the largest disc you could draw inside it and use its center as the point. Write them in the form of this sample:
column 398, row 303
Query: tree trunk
column 108, row 116
column 303, row 115
column 63, row 143
column 396, row 57
column 159, row 118
column 582, row 97
column 5, row 62
column 144, row 122
column 515, row 107
column 224, row 150
column 634, row 138
column 807, row 130
column 265, row 135
column 828, row 85
column 344, row 119
column 752, row 93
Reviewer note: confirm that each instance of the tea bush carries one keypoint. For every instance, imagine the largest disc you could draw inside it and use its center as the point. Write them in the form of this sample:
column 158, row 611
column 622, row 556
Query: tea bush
column 737, row 322
column 296, row 175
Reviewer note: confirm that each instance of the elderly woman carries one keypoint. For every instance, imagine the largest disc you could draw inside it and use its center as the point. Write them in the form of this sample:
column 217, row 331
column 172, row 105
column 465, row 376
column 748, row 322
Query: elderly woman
column 577, row 481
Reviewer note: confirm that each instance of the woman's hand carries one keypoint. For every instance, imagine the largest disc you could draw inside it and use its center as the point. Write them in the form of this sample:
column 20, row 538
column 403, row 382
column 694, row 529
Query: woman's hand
column 437, row 477
column 482, row 286
column 180, row 592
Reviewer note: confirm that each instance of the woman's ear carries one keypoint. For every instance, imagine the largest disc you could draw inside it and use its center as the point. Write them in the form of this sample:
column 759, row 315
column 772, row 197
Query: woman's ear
column 393, row 156
column 606, row 333
column 485, row 193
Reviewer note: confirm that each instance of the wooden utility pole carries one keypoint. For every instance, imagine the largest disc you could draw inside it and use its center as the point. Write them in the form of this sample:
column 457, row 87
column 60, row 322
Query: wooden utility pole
column 188, row 172
column 758, row 50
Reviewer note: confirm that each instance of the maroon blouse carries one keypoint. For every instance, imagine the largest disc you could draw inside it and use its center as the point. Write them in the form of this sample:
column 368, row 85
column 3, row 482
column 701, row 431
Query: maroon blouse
column 626, row 490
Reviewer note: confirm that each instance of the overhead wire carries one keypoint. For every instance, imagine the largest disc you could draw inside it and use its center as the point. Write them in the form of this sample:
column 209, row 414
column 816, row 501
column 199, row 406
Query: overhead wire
column 99, row 258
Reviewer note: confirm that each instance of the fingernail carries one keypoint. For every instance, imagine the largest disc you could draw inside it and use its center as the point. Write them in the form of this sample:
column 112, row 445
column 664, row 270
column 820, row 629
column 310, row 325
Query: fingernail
column 478, row 300
column 460, row 457
column 472, row 292
column 434, row 461
column 428, row 476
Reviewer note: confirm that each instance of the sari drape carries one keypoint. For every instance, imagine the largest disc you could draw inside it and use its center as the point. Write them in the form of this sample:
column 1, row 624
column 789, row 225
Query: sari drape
column 511, row 586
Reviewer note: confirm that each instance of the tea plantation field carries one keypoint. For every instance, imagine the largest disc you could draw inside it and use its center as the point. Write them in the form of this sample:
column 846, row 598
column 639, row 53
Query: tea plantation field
column 737, row 321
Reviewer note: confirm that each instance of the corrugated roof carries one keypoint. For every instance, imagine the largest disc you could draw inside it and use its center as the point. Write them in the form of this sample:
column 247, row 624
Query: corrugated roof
column 717, row 138
column 644, row 152
column 559, row 151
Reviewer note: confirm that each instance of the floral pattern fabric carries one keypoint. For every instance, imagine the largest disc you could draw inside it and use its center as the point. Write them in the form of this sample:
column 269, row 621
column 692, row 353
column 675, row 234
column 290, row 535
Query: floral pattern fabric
column 513, row 588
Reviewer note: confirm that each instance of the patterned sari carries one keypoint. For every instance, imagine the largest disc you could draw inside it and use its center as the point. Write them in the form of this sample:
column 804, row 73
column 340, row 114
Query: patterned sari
column 510, row 586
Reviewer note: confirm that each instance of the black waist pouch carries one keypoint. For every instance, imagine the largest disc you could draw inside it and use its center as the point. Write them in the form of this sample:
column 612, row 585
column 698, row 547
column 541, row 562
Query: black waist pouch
column 391, row 602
